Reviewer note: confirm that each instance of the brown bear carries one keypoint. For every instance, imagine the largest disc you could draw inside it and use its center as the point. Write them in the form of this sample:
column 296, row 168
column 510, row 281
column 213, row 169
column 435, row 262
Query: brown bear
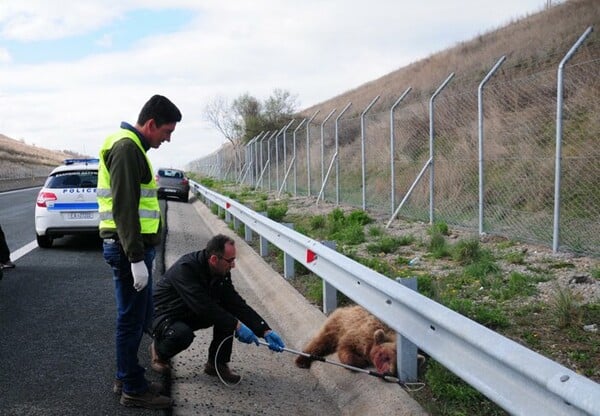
column 359, row 338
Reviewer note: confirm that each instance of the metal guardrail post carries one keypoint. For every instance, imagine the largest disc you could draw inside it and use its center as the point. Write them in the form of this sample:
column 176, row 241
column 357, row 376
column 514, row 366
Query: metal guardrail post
column 329, row 291
column 263, row 244
column 406, row 351
column 288, row 261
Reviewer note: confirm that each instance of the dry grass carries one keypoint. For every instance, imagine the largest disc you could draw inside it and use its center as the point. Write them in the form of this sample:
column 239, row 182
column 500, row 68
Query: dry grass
column 21, row 160
column 530, row 45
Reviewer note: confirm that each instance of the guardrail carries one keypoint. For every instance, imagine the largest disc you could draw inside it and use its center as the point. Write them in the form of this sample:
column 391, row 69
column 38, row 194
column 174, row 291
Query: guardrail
column 519, row 380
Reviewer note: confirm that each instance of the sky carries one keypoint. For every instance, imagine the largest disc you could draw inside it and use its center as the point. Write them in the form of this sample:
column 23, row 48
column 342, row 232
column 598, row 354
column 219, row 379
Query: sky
column 72, row 70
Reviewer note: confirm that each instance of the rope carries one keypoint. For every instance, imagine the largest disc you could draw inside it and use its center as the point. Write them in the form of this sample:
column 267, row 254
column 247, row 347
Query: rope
column 216, row 366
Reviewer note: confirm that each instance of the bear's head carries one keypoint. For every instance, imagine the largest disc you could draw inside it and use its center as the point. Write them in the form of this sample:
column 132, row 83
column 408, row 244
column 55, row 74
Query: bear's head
column 383, row 353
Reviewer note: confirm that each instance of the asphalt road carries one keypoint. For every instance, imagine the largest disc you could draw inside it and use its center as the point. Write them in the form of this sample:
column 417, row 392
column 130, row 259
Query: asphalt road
column 57, row 314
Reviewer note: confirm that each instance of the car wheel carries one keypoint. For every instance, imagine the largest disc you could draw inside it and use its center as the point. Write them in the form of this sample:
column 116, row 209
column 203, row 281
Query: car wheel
column 185, row 198
column 44, row 241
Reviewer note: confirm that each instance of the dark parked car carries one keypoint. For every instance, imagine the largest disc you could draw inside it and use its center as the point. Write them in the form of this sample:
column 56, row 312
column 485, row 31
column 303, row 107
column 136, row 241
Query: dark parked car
column 172, row 182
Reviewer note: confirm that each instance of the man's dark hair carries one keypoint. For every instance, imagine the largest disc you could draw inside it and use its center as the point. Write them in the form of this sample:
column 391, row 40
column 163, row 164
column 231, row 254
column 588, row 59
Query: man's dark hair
column 161, row 109
column 216, row 245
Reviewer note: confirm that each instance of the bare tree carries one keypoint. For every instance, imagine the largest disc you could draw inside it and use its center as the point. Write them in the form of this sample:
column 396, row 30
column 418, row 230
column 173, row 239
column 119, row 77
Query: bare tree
column 221, row 114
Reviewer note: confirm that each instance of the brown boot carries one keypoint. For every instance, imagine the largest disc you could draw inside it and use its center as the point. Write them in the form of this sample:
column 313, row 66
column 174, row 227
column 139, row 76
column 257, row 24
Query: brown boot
column 158, row 365
column 147, row 400
column 223, row 371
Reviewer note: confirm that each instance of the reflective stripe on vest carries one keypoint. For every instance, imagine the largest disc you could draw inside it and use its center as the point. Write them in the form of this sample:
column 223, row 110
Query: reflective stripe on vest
column 148, row 208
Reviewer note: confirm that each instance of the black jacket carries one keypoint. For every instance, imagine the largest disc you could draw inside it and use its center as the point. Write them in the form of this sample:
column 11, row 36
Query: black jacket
column 189, row 293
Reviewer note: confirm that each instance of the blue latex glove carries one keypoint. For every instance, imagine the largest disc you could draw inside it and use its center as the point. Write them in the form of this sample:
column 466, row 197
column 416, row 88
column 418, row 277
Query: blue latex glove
column 245, row 334
column 275, row 341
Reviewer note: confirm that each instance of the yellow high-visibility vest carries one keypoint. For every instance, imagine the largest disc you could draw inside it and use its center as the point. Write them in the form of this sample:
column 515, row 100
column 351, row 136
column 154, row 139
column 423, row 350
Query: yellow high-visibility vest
column 148, row 208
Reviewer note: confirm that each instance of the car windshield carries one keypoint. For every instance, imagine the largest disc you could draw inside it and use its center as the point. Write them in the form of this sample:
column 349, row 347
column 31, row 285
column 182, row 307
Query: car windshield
column 168, row 173
column 82, row 179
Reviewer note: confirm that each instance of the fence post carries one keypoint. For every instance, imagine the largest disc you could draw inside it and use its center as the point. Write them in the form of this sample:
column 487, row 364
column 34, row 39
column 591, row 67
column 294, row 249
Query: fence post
column 285, row 149
column 559, row 105
column 362, row 153
column 294, row 154
column 392, row 148
column 337, row 158
column 440, row 88
column 480, row 125
column 322, row 145
column 308, row 151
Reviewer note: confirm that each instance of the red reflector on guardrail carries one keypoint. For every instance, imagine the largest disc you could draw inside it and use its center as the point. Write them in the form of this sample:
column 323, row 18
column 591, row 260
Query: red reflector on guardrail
column 310, row 256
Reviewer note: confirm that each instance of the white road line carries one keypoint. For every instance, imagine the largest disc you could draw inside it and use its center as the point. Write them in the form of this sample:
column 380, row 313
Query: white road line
column 17, row 254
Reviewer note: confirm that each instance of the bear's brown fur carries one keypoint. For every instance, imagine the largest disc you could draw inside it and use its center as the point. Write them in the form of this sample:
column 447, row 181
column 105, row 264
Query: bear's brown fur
column 359, row 338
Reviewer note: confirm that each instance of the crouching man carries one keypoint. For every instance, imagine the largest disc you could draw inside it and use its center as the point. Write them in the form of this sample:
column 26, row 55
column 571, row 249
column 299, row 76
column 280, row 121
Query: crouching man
column 197, row 292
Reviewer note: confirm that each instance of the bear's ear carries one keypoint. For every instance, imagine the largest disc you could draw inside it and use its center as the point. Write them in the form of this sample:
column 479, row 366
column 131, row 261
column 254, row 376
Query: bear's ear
column 379, row 336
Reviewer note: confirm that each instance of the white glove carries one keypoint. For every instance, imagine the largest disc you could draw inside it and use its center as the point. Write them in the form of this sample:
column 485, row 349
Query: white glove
column 140, row 275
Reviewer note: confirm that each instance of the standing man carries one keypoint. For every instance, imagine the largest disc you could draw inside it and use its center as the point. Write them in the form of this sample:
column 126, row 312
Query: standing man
column 130, row 226
column 197, row 292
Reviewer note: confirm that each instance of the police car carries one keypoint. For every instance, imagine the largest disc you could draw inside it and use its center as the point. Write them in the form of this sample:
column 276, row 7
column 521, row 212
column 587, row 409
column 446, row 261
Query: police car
column 67, row 202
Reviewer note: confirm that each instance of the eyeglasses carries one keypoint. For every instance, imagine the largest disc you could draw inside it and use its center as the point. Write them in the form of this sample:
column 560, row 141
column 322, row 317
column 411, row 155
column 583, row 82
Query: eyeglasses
column 231, row 260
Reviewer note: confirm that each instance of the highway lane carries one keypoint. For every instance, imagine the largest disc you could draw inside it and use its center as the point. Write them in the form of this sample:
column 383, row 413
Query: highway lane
column 16, row 216
column 57, row 315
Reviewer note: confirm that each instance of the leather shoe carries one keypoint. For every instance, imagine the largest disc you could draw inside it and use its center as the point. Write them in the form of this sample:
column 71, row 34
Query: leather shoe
column 147, row 400
column 158, row 365
column 223, row 371
column 154, row 387
column 8, row 265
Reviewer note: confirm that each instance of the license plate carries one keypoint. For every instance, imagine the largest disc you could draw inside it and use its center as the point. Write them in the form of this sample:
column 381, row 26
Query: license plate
column 80, row 215
column 171, row 190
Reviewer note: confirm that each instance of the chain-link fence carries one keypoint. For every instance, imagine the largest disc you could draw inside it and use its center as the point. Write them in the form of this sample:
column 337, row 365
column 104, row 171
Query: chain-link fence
column 497, row 176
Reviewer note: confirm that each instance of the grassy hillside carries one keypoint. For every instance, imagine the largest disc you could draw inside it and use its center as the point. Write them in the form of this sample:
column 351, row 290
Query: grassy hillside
column 20, row 160
column 520, row 104
column 534, row 43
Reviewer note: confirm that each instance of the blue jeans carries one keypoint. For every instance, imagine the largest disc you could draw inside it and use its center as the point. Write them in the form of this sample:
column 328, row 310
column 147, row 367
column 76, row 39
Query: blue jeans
column 134, row 316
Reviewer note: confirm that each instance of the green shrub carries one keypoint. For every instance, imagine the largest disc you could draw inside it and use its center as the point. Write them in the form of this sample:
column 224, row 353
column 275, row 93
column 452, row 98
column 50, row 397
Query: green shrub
column 439, row 227
column 515, row 257
column 517, row 285
column 277, row 211
column 359, row 217
column 438, row 247
column 384, row 245
column 426, row 286
column 566, row 309
column 352, row 234
column 375, row 231
column 260, row 206
column 466, row 251
column 317, row 222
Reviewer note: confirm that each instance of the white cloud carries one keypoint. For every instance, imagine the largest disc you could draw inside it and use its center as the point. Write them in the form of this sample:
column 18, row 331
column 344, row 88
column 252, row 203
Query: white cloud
column 5, row 57
column 314, row 49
